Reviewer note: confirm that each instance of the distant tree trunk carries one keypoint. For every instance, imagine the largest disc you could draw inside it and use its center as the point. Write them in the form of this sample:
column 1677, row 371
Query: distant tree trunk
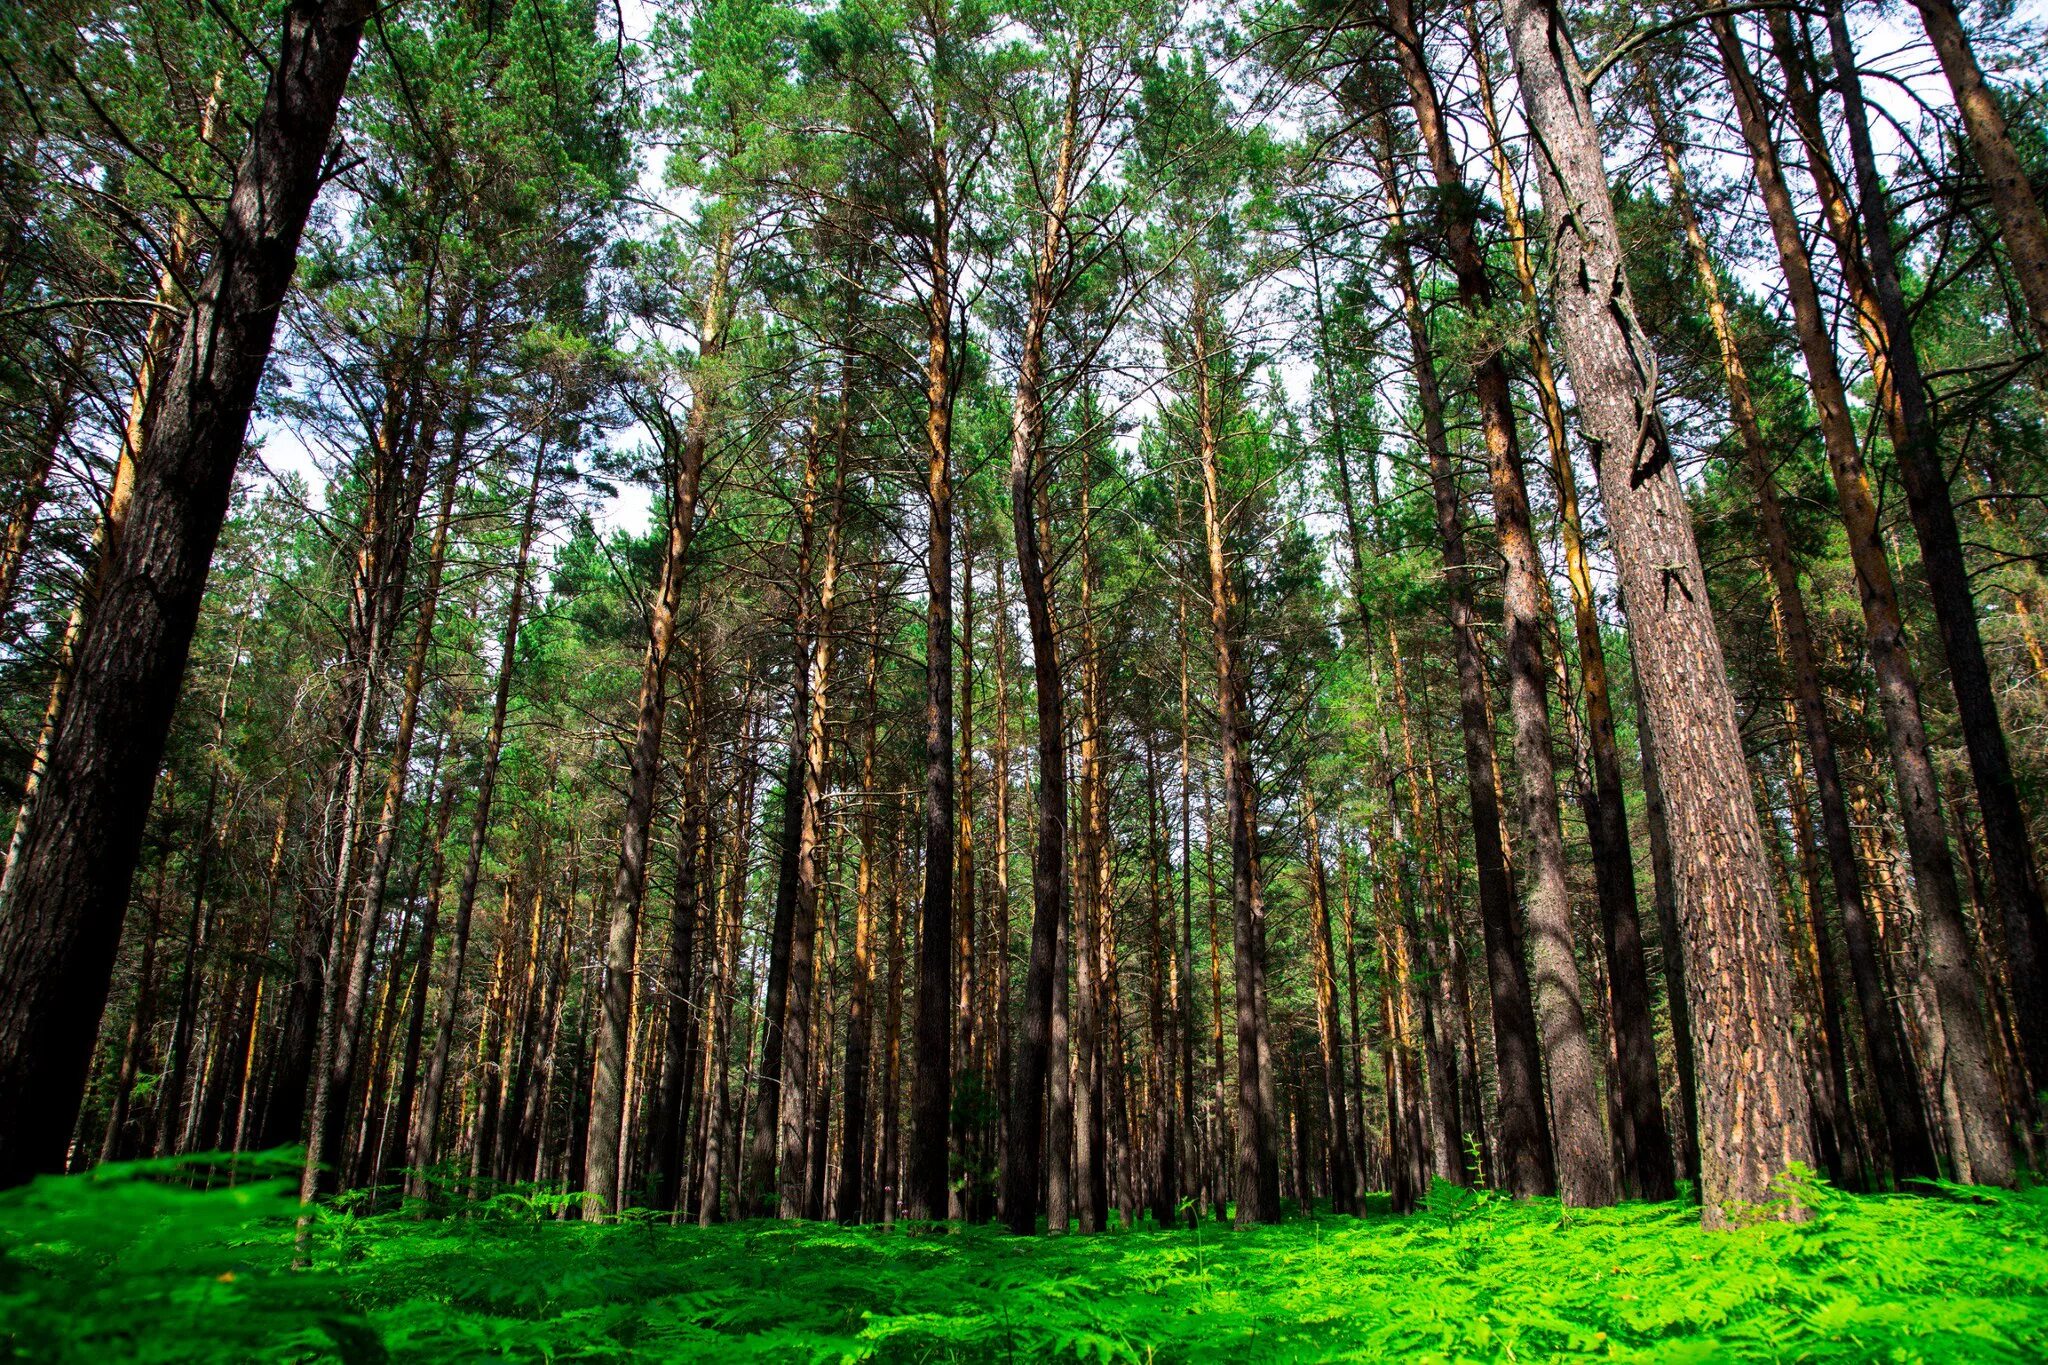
column 1043, row 977
column 1753, row 1109
column 60, row 927
column 669, row 1121
column 426, row 1136
column 1892, row 1077
column 797, row 1101
column 1258, row 1164
column 1936, row 893
column 1329, row 1023
column 932, row 1055
column 684, row 451
column 1090, row 1173
column 2020, row 219
column 1524, row 1130
column 851, row 1200
column 35, row 483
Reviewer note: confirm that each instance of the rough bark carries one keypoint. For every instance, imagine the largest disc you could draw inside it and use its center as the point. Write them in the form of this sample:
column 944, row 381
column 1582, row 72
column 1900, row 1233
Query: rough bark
column 1753, row 1105
column 62, row 919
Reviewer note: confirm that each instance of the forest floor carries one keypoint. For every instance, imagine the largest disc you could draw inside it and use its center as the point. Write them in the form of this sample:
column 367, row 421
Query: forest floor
column 130, row 1266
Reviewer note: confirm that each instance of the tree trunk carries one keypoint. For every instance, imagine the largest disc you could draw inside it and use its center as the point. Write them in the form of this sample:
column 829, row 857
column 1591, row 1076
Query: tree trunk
column 1936, row 893
column 1892, row 1077
column 2020, row 219
column 1524, row 1130
column 685, row 459
column 1753, row 1107
column 932, row 1054
column 1042, row 976
column 62, row 921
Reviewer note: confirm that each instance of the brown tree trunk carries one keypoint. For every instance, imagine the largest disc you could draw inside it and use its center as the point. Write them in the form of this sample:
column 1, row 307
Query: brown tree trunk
column 1917, row 447
column 932, row 1055
column 1936, row 893
column 1892, row 1077
column 1753, row 1105
column 684, row 452
column 60, row 926
column 853, row 1153
column 426, row 1135
column 1884, row 327
column 1258, row 1165
column 1329, row 1023
column 2020, row 219
column 797, row 1100
column 1043, row 975
column 1524, row 1130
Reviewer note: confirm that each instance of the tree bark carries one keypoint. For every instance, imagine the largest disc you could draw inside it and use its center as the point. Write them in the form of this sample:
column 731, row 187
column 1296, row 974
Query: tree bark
column 1936, row 894
column 1753, row 1105
column 62, row 921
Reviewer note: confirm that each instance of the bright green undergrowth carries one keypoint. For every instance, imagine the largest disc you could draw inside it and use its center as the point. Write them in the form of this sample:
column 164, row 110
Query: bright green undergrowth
column 134, row 1264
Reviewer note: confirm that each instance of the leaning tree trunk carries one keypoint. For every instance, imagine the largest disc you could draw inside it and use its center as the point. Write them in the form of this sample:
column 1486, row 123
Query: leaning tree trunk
column 1524, row 1136
column 1894, row 1079
column 685, row 450
column 1642, row 1139
column 1753, row 1106
column 62, row 922
column 2020, row 219
column 1584, row 1165
column 1968, row 1061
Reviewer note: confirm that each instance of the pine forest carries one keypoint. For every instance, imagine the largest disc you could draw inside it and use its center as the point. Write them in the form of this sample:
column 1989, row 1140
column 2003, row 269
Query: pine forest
column 923, row 680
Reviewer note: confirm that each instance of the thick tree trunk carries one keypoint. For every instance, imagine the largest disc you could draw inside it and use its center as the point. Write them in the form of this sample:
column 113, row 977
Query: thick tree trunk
column 1641, row 1139
column 1892, row 1077
column 62, row 920
column 1753, row 1105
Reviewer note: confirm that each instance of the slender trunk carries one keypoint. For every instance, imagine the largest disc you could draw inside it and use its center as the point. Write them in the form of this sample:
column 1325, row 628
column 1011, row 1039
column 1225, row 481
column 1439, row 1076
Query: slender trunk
column 852, row 1195
column 1043, row 976
column 2021, row 222
column 932, row 1056
column 1524, row 1130
column 426, row 1136
column 1329, row 1023
column 1936, row 894
column 685, row 457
